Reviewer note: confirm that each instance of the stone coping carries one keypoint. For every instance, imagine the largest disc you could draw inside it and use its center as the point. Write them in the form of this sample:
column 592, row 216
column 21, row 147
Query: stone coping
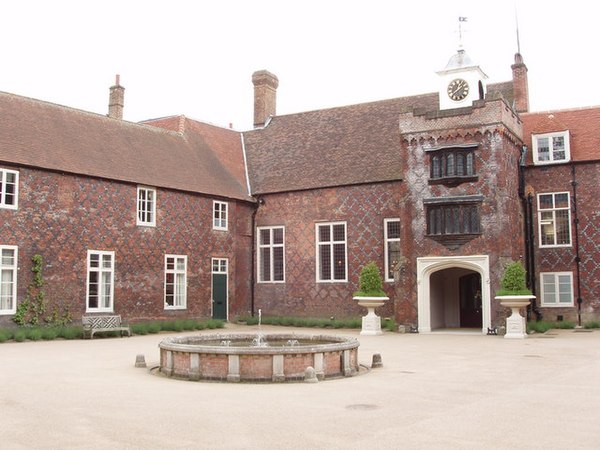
column 193, row 344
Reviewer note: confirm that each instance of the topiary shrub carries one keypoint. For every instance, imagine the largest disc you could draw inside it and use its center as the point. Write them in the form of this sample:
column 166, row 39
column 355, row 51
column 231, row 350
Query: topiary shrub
column 513, row 281
column 370, row 283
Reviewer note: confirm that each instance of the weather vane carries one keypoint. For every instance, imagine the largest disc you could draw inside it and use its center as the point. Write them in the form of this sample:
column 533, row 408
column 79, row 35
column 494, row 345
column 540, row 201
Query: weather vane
column 461, row 19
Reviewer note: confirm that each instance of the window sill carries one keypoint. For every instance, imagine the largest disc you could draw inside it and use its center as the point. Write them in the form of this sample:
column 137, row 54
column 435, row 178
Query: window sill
column 546, row 305
column 453, row 241
column 454, row 181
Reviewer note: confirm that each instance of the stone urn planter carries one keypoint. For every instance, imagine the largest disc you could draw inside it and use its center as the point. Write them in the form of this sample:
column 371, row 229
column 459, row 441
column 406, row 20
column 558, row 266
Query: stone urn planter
column 370, row 295
column 516, row 325
column 371, row 323
column 514, row 295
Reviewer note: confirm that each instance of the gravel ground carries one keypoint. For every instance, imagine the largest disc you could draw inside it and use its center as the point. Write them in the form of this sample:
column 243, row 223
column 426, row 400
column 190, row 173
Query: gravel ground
column 449, row 391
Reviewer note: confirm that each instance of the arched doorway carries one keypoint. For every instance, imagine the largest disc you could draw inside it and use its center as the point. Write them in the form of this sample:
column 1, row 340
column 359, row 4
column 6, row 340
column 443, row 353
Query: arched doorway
column 453, row 292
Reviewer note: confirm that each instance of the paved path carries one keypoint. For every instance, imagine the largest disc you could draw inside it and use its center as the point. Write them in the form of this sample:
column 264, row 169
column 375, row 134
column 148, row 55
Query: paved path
column 434, row 391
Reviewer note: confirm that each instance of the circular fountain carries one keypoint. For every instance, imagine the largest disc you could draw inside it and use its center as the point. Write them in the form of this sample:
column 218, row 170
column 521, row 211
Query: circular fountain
column 258, row 357
column 278, row 357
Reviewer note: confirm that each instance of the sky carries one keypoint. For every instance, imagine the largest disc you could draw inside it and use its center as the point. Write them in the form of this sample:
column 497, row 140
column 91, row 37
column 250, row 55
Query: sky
column 196, row 57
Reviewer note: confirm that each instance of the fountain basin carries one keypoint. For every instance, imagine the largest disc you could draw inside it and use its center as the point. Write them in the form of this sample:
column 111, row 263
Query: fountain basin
column 231, row 357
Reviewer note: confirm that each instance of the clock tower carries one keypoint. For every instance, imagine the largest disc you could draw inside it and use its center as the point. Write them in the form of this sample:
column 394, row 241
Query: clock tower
column 461, row 82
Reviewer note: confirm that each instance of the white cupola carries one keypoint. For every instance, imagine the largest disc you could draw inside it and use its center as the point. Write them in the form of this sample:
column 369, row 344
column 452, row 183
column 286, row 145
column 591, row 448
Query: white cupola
column 461, row 82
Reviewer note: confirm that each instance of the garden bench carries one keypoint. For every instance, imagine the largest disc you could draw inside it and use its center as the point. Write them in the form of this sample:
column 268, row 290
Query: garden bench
column 95, row 324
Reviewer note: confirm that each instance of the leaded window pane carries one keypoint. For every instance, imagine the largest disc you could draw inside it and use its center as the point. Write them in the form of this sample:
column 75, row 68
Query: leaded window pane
column 339, row 256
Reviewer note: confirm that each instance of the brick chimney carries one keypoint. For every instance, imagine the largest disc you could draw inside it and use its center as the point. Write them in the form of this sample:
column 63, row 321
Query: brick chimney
column 116, row 100
column 265, row 96
column 520, row 85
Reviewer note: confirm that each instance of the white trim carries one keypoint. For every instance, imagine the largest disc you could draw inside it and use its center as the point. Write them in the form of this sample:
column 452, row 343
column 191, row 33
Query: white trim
column 331, row 243
column 141, row 212
column 386, row 241
column 100, row 271
column 428, row 265
column 14, row 269
column 175, row 272
column 549, row 136
column 271, row 246
column 553, row 210
column 219, row 271
column 3, row 173
column 223, row 210
column 245, row 164
column 556, row 283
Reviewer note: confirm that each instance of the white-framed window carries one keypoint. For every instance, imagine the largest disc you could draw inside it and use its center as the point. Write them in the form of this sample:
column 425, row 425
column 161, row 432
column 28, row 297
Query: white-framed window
column 175, row 281
column 220, row 215
column 557, row 288
column 391, row 235
column 9, row 189
column 219, row 265
column 100, row 281
column 146, row 206
column 8, row 279
column 554, row 218
column 551, row 148
column 271, row 254
column 332, row 260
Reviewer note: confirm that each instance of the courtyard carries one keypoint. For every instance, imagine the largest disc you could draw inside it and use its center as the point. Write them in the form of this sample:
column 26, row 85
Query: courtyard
column 435, row 390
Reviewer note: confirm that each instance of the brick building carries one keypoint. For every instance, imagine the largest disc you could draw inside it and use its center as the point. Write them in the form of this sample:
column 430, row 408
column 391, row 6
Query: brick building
column 176, row 218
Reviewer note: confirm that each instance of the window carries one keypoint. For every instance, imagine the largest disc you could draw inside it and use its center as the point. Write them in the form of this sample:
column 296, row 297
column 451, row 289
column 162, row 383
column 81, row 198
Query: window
column 219, row 265
column 146, row 206
column 391, row 231
column 9, row 183
column 453, row 219
column 219, row 216
column 271, row 254
column 332, row 263
column 175, row 282
column 452, row 165
column 8, row 279
column 557, row 288
column 551, row 148
column 100, row 281
column 554, row 219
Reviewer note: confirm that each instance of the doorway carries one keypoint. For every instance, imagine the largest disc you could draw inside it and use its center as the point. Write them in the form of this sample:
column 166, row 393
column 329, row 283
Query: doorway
column 469, row 292
column 219, row 288
column 453, row 292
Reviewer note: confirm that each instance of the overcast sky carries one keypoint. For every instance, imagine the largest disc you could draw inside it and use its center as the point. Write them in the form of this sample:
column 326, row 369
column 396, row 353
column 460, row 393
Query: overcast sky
column 197, row 57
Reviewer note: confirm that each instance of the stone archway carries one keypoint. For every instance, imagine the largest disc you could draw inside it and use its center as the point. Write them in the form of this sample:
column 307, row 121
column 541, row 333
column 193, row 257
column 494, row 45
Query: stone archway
column 426, row 292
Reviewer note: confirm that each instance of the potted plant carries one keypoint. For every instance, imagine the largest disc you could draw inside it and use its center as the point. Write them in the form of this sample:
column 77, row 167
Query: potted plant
column 515, row 295
column 370, row 295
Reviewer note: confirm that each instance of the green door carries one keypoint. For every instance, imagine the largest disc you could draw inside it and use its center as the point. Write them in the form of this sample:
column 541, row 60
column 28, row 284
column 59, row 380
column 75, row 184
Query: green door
column 219, row 288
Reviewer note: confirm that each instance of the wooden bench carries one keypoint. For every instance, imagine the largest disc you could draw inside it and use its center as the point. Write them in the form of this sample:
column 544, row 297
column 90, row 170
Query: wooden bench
column 96, row 324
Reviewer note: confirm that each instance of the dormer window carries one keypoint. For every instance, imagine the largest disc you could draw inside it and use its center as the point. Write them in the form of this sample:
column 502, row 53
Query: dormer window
column 452, row 165
column 551, row 148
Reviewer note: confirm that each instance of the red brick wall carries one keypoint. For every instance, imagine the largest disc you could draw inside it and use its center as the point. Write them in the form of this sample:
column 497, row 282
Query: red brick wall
column 363, row 208
column 496, row 161
column 558, row 178
column 61, row 216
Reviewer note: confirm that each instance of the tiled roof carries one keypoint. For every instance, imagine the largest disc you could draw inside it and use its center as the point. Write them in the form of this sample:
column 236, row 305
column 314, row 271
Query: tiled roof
column 583, row 125
column 331, row 147
column 49, row 136
column 334, row 147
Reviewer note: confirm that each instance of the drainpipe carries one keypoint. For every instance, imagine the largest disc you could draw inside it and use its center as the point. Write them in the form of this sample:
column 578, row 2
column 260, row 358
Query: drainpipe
column 527, row 203
column 259, row 202
column 577, row 257
column 252, row 268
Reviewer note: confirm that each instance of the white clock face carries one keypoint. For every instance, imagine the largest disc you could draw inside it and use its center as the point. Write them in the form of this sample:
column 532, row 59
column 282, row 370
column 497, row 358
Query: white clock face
column 458, row 89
